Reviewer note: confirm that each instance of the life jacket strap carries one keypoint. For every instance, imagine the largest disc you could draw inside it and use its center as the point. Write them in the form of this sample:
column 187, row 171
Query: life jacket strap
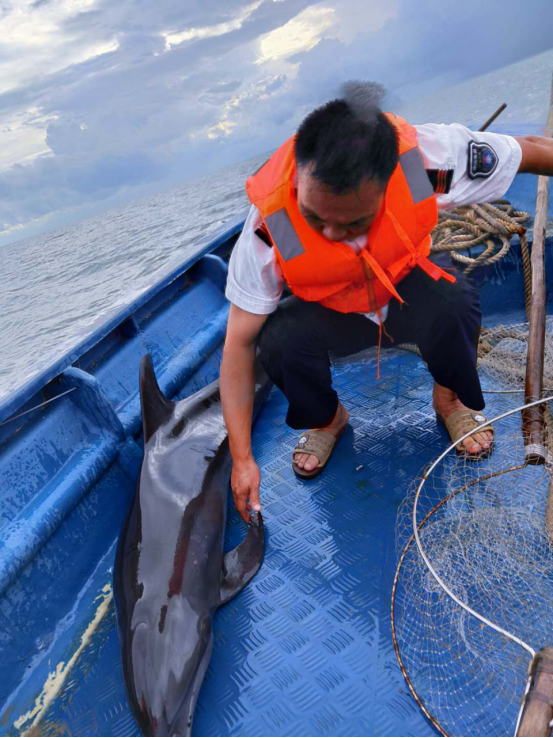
column 433, row 271
column 421, row 261
column 380, row 274
column 381, row 330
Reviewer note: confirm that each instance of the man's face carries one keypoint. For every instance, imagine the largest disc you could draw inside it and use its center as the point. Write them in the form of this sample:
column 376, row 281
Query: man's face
column 338, row 217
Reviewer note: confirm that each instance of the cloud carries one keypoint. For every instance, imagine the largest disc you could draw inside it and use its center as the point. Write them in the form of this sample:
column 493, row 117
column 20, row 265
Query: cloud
column 103, row 99
column 299, row 34
column 139, row 101
column 33, row 40
column 223, row 87
column 428, row 41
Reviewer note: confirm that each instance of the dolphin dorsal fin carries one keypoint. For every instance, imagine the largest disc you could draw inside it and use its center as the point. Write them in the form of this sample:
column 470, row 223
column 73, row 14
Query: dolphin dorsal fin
column 242, row 563
column 156, row 408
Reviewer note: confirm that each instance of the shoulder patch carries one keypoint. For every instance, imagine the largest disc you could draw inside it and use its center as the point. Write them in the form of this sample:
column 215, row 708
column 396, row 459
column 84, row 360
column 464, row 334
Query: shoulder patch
column 441, row 180
column 482, row 160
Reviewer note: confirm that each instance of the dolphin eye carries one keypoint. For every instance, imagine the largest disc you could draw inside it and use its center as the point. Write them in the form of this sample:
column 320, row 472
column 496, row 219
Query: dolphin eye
column 177, row 429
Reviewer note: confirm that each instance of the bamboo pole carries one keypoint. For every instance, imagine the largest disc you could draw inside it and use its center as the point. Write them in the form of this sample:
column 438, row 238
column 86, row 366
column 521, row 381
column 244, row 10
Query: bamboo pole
column 533, row 419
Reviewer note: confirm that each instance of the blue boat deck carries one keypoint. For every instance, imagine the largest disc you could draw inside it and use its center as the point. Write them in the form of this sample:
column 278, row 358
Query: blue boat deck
column 306, row 649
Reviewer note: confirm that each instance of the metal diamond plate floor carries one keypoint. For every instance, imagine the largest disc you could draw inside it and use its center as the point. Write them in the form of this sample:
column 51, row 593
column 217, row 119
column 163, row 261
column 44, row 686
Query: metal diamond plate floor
column 306, row 649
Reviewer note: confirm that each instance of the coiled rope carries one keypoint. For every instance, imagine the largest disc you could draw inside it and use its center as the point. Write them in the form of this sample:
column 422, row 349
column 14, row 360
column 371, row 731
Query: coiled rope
column 492, row 224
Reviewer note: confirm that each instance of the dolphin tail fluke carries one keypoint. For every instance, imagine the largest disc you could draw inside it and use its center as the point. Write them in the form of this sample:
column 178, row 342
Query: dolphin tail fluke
column 156, row 408
column 242, row 563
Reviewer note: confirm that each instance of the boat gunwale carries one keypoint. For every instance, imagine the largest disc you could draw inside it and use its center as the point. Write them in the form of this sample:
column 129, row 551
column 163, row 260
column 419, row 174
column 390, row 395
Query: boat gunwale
column 205, row 245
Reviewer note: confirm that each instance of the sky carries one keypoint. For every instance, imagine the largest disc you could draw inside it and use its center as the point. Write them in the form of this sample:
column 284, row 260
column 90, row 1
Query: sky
column 102, row 102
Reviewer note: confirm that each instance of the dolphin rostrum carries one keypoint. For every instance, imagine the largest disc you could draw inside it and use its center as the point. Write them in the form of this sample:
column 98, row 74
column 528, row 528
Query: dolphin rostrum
column 170, row 573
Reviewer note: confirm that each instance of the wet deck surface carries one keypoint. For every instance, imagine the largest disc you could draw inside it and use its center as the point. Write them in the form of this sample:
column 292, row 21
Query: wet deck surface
column 306, row 649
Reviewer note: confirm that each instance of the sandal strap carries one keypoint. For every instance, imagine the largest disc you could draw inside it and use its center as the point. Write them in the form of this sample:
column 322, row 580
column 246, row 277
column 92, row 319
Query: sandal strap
column 462, row 422
column 319, row 443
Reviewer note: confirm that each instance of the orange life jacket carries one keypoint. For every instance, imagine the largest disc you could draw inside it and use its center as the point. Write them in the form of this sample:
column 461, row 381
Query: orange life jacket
column 330, row 272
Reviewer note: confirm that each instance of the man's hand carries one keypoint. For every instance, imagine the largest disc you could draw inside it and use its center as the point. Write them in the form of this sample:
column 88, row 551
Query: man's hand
column 245, row 480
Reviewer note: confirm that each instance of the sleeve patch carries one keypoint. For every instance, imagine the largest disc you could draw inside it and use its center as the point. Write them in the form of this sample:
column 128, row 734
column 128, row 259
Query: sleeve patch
column 482, row 160
column 441, row 180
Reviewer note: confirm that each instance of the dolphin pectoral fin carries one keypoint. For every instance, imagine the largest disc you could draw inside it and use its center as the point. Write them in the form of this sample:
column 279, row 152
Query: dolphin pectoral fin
column 156, row 408
column 242, row 563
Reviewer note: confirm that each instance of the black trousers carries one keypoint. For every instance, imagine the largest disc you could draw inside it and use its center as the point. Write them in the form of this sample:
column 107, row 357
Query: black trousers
column 443, row 319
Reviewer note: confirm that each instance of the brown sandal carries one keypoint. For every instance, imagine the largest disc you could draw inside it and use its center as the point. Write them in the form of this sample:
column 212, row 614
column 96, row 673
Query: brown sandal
column 319, row 443
column 459, row 424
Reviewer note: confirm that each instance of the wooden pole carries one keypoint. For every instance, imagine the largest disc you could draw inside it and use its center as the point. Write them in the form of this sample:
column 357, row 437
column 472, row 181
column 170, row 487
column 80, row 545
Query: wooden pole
column 491, row 119
column 532, row 419
column 537, row 711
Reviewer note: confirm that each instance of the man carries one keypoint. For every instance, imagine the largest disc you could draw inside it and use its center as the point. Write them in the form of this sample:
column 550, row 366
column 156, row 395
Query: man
column 342, row 214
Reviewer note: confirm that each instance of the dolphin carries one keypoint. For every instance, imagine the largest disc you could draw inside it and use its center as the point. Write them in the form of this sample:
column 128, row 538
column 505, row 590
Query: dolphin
column 170, row 574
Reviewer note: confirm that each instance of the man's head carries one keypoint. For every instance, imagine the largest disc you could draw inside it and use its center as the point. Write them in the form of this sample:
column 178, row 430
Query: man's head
column 346, row 151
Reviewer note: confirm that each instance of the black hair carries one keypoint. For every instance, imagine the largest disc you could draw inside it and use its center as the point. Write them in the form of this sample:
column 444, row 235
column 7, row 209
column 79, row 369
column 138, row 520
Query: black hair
column 348, row 140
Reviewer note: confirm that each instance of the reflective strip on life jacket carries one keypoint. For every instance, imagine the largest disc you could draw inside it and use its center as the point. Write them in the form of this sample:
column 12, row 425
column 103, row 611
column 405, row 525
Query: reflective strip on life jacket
column 283, row 232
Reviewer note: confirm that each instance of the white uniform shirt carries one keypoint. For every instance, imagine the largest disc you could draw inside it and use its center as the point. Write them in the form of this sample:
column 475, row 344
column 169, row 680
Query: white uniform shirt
column 255, row 280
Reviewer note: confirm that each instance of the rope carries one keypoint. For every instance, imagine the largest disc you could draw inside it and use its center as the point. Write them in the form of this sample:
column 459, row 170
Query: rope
column 37, row 407
column 492, row 224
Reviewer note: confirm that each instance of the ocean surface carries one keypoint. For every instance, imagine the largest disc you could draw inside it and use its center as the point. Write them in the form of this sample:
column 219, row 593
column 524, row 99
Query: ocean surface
column 58, row 285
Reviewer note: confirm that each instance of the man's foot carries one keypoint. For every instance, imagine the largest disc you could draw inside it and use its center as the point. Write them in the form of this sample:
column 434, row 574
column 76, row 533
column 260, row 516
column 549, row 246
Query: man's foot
column 339, row 422
column 446, row 402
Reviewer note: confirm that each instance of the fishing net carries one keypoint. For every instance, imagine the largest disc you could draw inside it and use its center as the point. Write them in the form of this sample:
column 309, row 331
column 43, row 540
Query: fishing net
column 473, row 596
column 502, row 357
column 482, row 529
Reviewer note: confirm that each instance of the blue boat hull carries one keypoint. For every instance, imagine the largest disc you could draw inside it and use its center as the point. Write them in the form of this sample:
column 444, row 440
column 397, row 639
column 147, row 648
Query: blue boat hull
column 306, row 649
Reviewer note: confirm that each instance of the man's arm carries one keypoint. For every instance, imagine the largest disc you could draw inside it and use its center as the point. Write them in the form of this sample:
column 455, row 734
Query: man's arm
column 237, row 395
column 537, row 155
